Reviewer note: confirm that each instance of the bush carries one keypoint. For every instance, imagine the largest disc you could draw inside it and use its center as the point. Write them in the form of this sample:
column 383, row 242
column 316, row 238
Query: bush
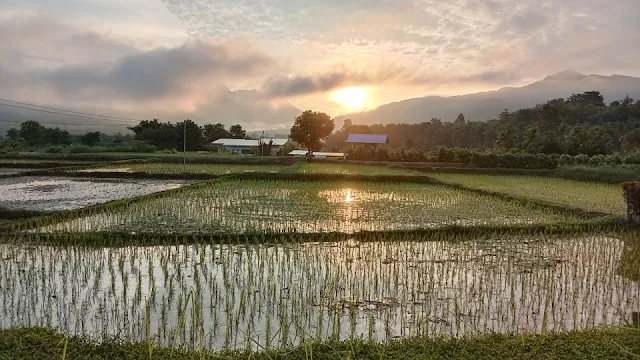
column 565, row 159
column 514, row 161
column 78, row 149
column 54, row 150
column 632, row 159
column 144, row 148
column 581, row 159
column 597, row 160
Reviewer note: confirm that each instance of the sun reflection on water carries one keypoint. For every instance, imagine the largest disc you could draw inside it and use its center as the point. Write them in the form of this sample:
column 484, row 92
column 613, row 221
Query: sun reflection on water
column 347, row 196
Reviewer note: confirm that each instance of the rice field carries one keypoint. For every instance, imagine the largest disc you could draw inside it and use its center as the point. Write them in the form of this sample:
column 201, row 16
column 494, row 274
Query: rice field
column 169, row 168
column 598, row 197
column 236, row 207
column 274, row 296
column 358, row 281
column 59, row 193
column 346, row 169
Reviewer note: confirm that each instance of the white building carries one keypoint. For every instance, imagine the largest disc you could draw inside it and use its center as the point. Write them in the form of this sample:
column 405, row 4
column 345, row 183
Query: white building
column 243, row 146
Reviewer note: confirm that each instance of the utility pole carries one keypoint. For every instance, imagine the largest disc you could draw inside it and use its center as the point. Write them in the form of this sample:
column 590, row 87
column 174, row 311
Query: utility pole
column 261, row 144
column 184, row 150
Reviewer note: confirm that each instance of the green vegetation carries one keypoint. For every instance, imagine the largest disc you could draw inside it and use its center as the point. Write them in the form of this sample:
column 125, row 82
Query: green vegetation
column 350, row 169
column 621, row 343
column 596, row 197
column 606, row 174
column 323, row 260
column 278, row 295
column 168, row 168
column 275, row 206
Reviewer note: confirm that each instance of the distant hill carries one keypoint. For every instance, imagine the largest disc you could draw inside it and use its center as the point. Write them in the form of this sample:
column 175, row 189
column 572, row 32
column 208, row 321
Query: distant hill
column 487, row 105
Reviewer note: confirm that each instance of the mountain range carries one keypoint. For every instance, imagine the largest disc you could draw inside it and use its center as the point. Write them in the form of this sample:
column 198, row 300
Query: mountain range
column 487, row 105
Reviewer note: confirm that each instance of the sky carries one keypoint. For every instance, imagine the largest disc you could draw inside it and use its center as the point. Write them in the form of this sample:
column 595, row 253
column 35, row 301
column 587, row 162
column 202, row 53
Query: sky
column 172, row 58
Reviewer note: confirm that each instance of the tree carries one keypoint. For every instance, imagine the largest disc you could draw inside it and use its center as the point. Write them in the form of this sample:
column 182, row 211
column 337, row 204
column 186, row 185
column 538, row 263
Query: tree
column 460, row 120
column 13, row 135
column 346, row 125
column 630, row 141
column 310, row 128
column 195, row 138
column 594, row 140
column 57, row 136
column 548, row 115
column 32, row 132
column 507, row 139
column 237, row 132
column 90, row 138
column 213, row 132
column 593, row 98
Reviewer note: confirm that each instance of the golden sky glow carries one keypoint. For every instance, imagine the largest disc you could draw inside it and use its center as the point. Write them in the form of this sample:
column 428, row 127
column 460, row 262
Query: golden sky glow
column 351, row 98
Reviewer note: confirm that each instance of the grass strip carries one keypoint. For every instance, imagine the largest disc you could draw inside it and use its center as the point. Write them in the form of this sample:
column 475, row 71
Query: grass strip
column 604, row 343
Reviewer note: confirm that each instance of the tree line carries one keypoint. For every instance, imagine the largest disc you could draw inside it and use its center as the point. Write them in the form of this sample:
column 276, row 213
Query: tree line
column 581, row 124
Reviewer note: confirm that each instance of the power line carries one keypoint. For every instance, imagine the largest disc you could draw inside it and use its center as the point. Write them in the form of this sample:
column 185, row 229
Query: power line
column 69, row 113
column 66, row 124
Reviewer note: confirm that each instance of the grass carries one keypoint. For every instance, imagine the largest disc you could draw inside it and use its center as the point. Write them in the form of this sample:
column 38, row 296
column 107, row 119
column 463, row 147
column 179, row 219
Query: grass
column 620, row 343
column 597, row 197
column 606, row 174
column 346, row 169
column 243, row 206
column 169, row 168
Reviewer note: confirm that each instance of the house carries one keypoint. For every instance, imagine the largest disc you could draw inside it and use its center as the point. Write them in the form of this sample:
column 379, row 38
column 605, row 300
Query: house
column 244, row 146
column 317, row 154
column 367, row 139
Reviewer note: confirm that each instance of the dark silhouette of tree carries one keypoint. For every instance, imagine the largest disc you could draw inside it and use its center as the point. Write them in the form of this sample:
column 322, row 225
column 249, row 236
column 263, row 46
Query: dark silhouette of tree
column 310, row 128
column 594, row 140
column 13, row 134
column 90, row 138
column 237, row 132
column 213, row 132
column 630, row 141
column 460, row 120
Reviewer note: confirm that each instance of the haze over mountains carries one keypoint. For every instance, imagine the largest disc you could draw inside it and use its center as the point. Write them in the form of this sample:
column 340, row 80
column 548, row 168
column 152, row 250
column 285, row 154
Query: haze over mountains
column 487, row 105
column 250, row 109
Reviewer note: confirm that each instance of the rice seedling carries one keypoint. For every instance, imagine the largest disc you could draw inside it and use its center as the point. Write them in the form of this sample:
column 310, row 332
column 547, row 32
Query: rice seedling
column 347, row 169
column 235, row 207
column 225, row 297
column 172, row 168
column 606, row 198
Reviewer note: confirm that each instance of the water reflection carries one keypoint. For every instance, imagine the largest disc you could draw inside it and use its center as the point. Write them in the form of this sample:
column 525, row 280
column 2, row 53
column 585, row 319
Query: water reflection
column 233, row 296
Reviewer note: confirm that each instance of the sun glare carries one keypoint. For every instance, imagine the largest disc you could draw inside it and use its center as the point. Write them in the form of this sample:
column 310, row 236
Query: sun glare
column 353, row 98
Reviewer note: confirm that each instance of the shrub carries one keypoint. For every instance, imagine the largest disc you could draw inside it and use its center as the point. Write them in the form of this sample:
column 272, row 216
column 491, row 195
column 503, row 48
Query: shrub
column 581, row 159
column 55, row 149
column 565, row 159
column 78, row 149
column 514, row 161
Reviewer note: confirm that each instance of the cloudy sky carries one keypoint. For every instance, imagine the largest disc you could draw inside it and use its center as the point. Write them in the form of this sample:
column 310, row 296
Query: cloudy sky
column 151, row 58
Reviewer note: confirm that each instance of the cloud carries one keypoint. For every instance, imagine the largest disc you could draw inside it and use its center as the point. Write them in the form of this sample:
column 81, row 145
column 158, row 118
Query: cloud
column 286, row 86
column 158, row 72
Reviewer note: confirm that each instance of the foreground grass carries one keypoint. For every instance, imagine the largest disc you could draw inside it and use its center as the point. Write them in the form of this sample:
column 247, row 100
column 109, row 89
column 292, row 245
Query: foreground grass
column 598, row 197
column 619, row 343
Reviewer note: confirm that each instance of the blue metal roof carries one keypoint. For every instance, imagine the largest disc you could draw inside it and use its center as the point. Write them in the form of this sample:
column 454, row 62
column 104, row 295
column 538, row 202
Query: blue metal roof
column 367, row 138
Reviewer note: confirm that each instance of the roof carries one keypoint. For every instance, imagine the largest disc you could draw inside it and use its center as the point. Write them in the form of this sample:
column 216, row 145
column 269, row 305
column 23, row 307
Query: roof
column 367, row 138
column 249, row 143
column 316, row 153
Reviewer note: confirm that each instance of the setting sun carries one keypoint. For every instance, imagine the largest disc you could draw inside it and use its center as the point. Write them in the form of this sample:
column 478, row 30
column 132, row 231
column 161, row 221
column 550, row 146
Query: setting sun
column 352, row 98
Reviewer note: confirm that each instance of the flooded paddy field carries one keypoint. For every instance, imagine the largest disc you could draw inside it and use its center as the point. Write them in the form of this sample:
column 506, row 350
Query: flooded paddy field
column 164, row 168
column 59, row 193
column 235, row 207
column 261, row 296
